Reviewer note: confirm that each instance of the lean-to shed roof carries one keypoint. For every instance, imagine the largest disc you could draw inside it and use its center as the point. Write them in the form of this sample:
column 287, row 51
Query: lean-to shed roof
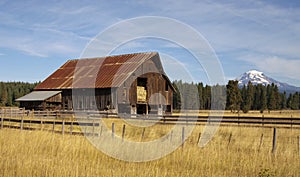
column 38, row 95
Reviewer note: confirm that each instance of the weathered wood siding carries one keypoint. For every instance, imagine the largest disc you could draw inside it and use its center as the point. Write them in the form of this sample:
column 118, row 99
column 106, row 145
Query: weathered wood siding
column 89, row 99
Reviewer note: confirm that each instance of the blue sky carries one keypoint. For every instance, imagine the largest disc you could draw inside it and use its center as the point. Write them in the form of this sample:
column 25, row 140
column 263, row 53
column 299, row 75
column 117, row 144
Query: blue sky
column 36, row 37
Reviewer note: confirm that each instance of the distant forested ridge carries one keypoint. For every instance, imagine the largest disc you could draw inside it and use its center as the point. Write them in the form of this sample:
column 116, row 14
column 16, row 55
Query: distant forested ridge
column 10, row 91
column 250, row 97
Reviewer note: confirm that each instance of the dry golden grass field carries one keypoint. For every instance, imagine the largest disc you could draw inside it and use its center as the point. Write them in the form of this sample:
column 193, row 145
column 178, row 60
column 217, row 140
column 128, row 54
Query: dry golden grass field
column 233, row 151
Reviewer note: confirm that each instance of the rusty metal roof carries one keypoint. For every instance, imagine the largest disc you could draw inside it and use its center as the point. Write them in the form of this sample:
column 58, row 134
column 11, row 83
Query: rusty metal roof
column 104, row 72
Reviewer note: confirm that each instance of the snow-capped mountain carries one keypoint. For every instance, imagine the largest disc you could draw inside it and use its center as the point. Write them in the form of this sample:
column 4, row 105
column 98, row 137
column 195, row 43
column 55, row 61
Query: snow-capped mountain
column 258, row 77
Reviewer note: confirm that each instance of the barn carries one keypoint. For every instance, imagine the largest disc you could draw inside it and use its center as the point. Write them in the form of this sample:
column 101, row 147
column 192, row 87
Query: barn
column 129, row 83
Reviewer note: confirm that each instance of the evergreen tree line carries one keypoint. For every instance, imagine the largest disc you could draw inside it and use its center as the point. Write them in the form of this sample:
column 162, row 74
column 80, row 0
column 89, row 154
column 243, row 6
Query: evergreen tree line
column 10, row 91
column 250, row 97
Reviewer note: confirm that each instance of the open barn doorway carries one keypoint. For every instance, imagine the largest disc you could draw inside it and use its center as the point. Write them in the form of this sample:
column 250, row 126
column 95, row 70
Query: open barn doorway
column 141, row 108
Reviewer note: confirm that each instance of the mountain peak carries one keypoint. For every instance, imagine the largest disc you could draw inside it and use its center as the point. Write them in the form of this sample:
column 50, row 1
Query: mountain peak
column 254, row 72
column 257, row 77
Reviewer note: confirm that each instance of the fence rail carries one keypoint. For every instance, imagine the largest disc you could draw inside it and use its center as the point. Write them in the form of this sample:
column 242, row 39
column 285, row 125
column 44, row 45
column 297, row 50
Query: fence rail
column 88, row 118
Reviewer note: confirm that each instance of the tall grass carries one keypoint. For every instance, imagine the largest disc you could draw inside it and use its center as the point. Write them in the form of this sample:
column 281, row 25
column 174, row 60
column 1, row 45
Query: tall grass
column 39, row 153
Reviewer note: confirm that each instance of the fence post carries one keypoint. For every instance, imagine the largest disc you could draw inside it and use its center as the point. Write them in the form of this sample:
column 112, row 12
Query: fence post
column 63, row 127
column 22, row 122
column 123, row 132
column 182, row 137
column 9, row 116
column 274, row 141
column 299, row 145
column 41, row 123
column 291, row 121
column 53, row 127
column 2, row 121
column 199, row 136
column 71, row 127
column 229, row 139
column 143, row 133
column 93, row 131
column 113, row 130
column 261, row 141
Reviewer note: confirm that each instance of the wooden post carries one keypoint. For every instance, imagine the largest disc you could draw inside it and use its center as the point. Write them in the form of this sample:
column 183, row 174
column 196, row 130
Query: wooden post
column 229, row 139
column 63, row 127
column 171, row 135
column 199, row 136
column 22, row 122
column 262, row 120
column 123, row 132
column 71, row 127
column 299, row 145
column 143, row 134
column 41, row 123
column 53, row 127
column 261, row 141
column 291, row 121
column 112, row 130
column 100, row 133
column 274, row 141
column 182, row 137
column 9, row 120
column 93, row 131
column 2, row 121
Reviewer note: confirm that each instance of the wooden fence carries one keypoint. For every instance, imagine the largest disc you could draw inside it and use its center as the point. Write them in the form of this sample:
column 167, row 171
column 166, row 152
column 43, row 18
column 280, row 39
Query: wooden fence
column 88, row 122
column 19, row 115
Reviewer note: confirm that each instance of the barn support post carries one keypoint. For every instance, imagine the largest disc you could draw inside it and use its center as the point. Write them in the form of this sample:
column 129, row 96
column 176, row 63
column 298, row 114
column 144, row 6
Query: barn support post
column 274, row 141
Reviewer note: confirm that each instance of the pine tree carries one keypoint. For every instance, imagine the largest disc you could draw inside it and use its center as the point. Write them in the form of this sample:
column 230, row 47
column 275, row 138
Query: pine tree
column 283, row 101
column 248, row 97
column 295, row 101
column 234, row 98
column 263, row 96
column 4, row 96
